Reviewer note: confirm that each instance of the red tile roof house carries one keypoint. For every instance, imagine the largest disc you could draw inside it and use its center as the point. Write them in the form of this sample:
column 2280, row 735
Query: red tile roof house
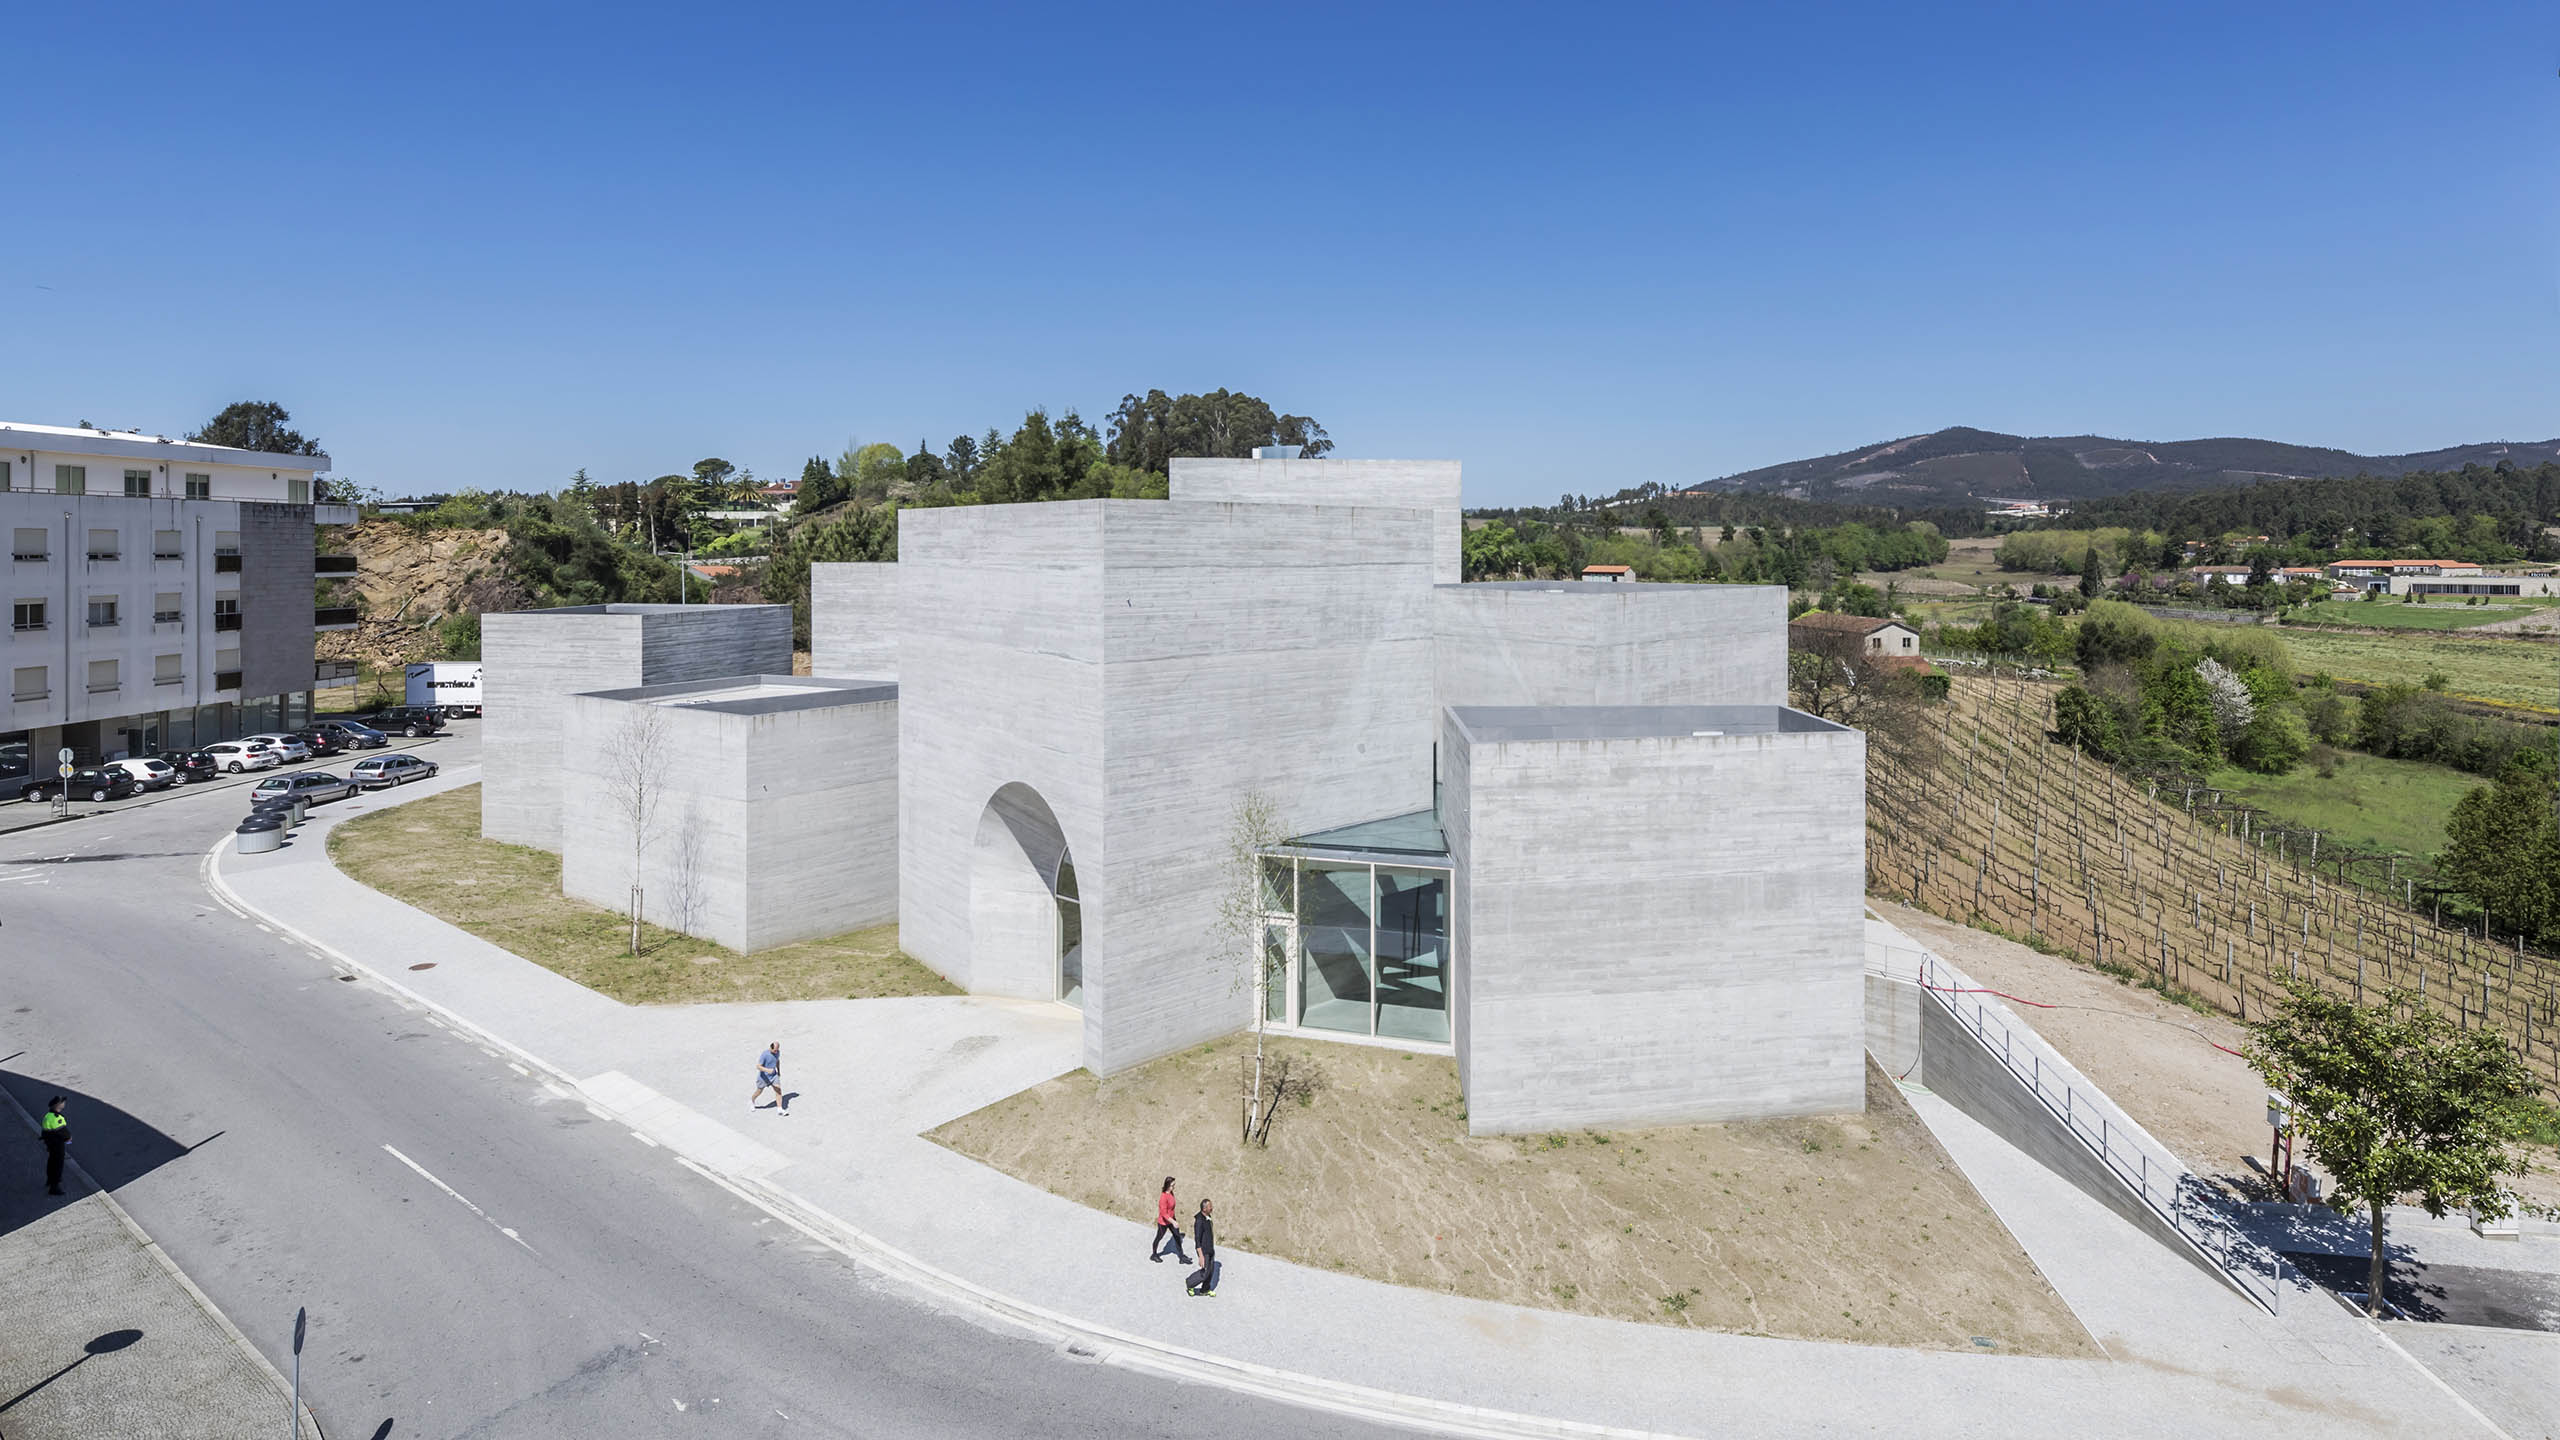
column 1608, row 572
column 1882, row 635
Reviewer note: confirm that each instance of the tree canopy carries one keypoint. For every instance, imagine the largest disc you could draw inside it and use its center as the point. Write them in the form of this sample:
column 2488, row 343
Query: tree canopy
column 1148, row 431
column 260, row 425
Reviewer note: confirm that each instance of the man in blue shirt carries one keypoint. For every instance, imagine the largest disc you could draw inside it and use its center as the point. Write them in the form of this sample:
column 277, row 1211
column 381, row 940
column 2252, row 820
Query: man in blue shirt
column 769, row 1077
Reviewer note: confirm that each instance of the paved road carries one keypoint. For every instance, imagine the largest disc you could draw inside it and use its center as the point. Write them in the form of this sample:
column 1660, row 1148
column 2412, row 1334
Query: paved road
column 480, row 1256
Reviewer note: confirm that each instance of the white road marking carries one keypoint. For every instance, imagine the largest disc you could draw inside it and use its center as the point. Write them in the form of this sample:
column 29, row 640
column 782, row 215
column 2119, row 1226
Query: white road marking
column 263, row 930
column 643, row 1139
column 458, row 1195
column 519, row 1069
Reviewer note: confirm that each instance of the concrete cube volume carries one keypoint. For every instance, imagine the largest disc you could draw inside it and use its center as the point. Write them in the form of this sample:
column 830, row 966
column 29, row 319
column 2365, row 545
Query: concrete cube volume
column 771, row 806
column 1568, row 833
column 532, row 661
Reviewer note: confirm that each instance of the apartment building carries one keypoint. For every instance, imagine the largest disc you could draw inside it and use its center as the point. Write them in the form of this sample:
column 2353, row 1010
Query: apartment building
column 159, row 592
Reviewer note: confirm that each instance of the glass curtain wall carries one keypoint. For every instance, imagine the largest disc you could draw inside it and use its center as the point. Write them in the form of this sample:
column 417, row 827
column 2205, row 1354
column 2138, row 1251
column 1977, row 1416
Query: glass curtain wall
column 1363, row 950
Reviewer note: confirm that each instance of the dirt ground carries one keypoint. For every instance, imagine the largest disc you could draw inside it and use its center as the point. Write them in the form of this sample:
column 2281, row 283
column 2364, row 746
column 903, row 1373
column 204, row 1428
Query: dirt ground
column 2155, row 1057
column 1853, row 1227
column 430, row 854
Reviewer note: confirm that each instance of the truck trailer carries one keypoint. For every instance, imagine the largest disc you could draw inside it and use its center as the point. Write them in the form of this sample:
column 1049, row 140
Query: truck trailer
column 451, row 685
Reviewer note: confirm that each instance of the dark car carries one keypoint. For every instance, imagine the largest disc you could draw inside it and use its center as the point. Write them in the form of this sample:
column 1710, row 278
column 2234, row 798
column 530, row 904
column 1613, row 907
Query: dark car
column 352, row 736
column 191, row 765
column 92, row 783
column 321, row 741
column 310, row 786
column 379, row 770
column 410, row 720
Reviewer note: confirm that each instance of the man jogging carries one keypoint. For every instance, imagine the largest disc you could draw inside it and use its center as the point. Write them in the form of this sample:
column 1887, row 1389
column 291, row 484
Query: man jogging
column 57, row 1139
column 769, row 1077
column 1204, row 1238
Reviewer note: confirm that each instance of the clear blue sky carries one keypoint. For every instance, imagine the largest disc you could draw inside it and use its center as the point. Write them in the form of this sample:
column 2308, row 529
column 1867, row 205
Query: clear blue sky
column 1577, row 247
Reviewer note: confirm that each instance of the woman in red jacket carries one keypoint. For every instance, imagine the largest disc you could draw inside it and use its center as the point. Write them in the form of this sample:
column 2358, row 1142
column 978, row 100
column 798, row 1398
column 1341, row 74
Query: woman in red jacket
column 1168, row 1222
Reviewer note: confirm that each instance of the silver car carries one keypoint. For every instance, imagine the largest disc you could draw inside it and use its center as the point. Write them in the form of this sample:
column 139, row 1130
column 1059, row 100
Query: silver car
column 311, row 787
column 377, row 771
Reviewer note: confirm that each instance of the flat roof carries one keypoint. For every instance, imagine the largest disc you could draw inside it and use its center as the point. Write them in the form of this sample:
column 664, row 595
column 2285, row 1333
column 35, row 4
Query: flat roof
column 1502, row 724
column 1417, row 833
column 755, row 694
column 135, row 444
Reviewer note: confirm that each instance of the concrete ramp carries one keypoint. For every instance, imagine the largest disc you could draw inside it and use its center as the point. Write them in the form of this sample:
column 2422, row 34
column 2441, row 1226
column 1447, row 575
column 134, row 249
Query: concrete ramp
column 1931, row 1024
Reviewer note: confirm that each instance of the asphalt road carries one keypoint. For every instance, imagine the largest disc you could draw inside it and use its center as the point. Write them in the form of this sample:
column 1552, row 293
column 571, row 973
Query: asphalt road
column 480, row 1256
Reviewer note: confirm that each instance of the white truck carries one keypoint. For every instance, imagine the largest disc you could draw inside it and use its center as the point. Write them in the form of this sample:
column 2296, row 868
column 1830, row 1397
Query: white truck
column 450, row 685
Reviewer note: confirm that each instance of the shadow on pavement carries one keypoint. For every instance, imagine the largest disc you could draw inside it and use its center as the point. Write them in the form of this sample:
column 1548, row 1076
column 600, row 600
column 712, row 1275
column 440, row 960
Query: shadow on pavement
column 107, row 1344
column 114, row 1147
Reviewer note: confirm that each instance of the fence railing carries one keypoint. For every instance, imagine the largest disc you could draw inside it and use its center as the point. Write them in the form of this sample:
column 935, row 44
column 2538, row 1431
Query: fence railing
column 2158, row 1178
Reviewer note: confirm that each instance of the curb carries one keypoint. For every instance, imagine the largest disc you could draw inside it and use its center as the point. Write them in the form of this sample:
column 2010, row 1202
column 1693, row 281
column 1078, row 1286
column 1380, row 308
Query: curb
column 203, row 1301
column 1083, row 1339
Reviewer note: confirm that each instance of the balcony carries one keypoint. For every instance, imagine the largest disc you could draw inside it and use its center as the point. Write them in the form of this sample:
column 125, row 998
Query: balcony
column 329, row 674
column 29, row 557
column 226, row 679
column 168, row 554
column 105, row 555
column 168, row 679
column 226, row 564
column 169, row 617
column 333, row 564
column 336, row 617
column 227, row 622
column 107, row 689
column 327, row 512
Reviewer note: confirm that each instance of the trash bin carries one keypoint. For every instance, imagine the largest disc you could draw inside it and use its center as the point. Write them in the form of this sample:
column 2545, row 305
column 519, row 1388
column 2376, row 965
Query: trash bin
column 286, row 808
column 261, row 832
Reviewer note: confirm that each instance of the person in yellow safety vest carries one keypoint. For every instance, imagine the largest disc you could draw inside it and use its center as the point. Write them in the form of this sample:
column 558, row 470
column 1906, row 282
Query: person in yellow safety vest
column 57, row 1139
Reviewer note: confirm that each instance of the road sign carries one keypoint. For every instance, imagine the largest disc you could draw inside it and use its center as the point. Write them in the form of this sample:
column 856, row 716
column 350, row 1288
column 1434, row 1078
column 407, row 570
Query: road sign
column 300, row 1315
column 295, row 1414
column 63, row 755
column 63, row 770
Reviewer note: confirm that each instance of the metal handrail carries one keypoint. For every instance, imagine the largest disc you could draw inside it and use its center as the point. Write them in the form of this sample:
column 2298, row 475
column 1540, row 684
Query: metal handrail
column 2182, row 1205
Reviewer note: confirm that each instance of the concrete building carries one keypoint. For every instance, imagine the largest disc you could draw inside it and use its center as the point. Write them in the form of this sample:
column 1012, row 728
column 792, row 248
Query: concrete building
column 532, row 661
column 160, row 592
column 775, row 809
column 1088, row 692
column 1627, row 951
column 853, row 620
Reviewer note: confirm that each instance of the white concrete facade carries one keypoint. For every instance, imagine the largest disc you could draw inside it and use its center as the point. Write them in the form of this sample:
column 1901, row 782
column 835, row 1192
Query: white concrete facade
column 776, row 810
column 1659, row 914
column 1561, row 642
column 532, row 661
column 1431, row 485
column 65, row 460
column 853, row 620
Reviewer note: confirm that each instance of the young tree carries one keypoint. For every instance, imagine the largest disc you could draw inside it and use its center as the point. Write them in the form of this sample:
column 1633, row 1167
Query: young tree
column 2090, row 578
column 820, row 487
column 1253, row 831
column 635, row 781
column 2394, row 1099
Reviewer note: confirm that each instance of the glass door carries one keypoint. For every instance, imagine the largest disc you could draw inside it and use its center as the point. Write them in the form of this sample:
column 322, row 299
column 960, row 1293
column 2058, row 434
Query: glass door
column 1279, row 958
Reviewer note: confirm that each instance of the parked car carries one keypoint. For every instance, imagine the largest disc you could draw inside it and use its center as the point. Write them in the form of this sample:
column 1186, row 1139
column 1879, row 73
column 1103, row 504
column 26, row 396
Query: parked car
column 375, row 771
column 321, row 743
column 149, row 773
column 235, row 756
column 410, row 720
column 191, row 765
column 353, row 736
column 311, row 787
column 288, row 745
column 94, row 783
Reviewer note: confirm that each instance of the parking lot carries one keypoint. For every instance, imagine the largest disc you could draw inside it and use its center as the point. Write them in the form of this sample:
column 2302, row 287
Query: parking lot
column 16, row 815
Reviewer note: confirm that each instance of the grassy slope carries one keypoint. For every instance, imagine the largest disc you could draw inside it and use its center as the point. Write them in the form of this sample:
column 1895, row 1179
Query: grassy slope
column 430, row 854
column 2373, row 804
column 2509, row 671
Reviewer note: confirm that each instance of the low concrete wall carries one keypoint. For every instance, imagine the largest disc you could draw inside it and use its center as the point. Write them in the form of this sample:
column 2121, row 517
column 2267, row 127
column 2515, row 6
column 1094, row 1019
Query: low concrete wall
column 1893, row 1028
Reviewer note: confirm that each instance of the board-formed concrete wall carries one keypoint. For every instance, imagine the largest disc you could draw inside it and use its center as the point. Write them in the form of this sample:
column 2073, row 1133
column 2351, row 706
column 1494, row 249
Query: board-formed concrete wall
column 853, row 620
column 777, row 821
column 532, row 661
column 1569, row 643
column 1139, row 666
column 275, row 600
column 1431, row 485
column 1655, row 926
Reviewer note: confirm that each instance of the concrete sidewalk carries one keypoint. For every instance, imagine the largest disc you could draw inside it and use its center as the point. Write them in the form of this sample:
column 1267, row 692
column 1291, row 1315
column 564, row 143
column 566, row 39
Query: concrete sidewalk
column 2188, row 1357
column 103, row 1335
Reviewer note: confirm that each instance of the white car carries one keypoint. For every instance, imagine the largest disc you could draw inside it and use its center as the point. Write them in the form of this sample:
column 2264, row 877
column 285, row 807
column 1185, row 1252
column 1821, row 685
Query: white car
column 289, row 746
column 150, row 774
column 235, row 756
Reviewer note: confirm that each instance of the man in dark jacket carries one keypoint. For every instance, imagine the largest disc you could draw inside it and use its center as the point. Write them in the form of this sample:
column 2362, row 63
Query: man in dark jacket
column 57, row 1139
column 1204, row 1238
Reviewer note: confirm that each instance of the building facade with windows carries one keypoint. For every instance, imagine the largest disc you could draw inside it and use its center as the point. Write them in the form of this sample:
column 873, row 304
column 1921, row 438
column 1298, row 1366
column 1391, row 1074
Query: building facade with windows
column 160, row 593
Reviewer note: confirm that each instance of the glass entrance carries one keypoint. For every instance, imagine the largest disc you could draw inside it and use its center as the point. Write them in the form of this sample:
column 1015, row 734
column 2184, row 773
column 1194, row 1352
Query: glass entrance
column 1070, row 932
column 1364, row 950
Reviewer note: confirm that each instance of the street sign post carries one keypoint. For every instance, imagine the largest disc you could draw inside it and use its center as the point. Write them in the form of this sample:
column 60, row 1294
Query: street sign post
column 300, row 1315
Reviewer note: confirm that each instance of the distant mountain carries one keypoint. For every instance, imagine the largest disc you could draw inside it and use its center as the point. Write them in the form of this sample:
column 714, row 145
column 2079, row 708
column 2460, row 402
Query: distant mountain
column 1964, row 466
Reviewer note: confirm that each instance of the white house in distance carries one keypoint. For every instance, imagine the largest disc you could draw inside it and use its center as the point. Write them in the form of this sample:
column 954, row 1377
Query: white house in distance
column 1609, row 573
column 160, row 591
column 1879, row 636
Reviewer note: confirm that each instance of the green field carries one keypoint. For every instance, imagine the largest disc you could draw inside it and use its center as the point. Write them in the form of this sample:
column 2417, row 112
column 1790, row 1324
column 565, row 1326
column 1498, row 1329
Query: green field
column 2373, row 804
column 2509, row 671
column 2392, row 615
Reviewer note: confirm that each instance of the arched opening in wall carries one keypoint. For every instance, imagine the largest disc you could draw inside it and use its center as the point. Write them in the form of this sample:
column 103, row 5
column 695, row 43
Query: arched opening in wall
column 1026, row 913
